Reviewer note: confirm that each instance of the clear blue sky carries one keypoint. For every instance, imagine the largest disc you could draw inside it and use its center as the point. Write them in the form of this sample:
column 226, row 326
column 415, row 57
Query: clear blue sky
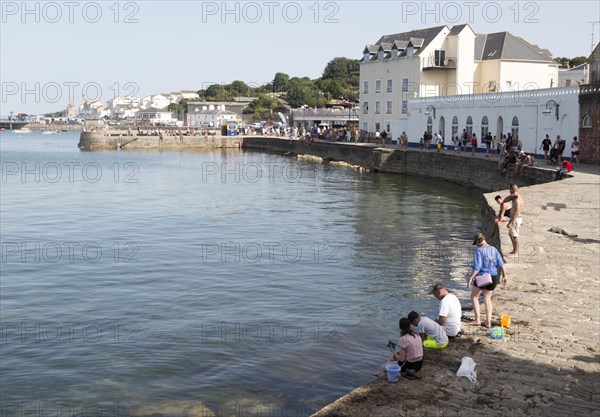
column 161, row 46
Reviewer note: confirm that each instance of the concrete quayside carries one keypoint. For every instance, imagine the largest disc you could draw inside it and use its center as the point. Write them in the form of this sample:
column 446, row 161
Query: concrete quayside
column 119, row 139
column 549, row 363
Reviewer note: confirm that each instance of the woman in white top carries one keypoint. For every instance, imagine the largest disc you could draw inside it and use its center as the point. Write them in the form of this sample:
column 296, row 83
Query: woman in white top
column 574, row 150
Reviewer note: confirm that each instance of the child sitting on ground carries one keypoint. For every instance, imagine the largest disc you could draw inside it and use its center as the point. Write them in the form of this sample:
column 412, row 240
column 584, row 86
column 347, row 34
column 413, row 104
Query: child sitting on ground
column 409, row 355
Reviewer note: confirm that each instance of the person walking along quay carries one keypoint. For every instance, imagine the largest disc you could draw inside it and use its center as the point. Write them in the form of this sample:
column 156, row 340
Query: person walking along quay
column 487, row 269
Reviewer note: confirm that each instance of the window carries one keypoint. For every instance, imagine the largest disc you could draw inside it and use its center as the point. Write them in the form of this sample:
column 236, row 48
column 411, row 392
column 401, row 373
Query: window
column 388, row 107
column 377, row 107
column 404, row 84
column 366, row 87
column 394, row 53
column 389, row 86
column 377, row 126
column 404, row 106
column 469, row 126
column 515, row 127
column 484, row 127
column 365, row 107
column 586, row 122
column 454, row 125
column 366, row 57
column 378, row 86
column 366, row 126
column 429, row 125
column 439, row 57
column 379, row 55
column 388, row 127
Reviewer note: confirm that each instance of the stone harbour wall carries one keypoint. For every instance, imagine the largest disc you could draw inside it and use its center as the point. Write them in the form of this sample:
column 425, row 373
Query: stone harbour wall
column 97, row 141
column 478, row 171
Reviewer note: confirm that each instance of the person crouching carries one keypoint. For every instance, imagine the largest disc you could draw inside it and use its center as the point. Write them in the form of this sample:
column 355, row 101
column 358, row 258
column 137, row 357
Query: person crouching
column 433, row 335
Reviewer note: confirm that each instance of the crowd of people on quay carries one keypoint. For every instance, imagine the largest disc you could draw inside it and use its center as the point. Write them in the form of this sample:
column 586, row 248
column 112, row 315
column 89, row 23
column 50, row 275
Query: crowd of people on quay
column 509, row 150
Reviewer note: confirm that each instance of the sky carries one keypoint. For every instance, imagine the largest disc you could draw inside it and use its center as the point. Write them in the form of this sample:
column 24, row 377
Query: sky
column 53, row 53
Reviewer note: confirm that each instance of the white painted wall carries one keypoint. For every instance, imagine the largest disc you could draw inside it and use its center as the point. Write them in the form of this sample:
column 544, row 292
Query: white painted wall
column 527, row 75
column 527, row 106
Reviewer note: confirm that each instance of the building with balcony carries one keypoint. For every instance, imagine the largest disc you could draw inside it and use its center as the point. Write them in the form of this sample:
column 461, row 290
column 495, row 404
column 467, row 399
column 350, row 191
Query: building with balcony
column 443, row 62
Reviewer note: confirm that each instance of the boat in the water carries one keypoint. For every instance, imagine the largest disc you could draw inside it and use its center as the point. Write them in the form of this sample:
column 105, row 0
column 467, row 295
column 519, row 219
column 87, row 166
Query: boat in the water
column 48, row 132
column 23, row 130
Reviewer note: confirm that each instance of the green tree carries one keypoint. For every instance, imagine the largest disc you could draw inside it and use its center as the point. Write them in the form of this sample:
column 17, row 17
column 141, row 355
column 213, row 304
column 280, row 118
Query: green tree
column 216, row 92
column 238, row 88
column 571, row 62
column 341, row 68
column 578, row 60
column 262, row 106
column 179, row 108
column 281, row 82
column 303, row 91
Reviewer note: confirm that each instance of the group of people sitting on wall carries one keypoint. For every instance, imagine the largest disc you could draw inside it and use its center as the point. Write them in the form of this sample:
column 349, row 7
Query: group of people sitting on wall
column 508, row 147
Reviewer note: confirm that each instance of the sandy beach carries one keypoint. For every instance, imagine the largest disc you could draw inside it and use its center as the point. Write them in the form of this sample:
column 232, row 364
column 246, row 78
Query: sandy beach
column 550, row 364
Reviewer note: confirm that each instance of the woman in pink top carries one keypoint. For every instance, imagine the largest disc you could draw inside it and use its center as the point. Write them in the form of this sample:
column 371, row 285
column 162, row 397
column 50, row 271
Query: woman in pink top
column 409, row 355
column 410, row 352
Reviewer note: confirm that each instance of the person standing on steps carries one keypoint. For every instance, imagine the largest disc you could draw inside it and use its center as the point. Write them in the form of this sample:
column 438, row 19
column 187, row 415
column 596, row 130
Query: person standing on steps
column 516, row 219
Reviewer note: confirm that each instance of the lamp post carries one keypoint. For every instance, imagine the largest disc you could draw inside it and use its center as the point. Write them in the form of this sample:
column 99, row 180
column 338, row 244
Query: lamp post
column 550, row 104
column 10, row 119
column 429, row 110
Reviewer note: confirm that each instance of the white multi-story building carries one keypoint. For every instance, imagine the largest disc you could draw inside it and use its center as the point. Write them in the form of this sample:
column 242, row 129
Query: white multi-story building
column 155, row 116
column 444, row 61
column 158, row 101
column 93, row 109
column 123, row 107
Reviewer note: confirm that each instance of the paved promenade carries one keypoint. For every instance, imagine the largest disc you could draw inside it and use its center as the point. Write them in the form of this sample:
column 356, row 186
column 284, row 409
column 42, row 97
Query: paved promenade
column 550, row 366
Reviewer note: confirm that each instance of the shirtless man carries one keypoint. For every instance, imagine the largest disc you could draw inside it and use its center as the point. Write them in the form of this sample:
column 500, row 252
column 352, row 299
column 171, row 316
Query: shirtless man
column 504, row 210
column 516, row 220
column 503, row 214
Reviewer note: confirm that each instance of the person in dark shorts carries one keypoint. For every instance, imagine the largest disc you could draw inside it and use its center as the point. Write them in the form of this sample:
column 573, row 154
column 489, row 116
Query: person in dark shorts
column 487, row 260
column 465, row 139
column 546, row 144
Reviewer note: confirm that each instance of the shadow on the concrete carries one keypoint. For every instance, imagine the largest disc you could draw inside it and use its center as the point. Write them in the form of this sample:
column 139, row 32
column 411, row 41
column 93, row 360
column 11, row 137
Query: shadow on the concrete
column 506, row 385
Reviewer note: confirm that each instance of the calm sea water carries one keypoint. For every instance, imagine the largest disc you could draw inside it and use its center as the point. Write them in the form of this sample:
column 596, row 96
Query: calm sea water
column 253, row 283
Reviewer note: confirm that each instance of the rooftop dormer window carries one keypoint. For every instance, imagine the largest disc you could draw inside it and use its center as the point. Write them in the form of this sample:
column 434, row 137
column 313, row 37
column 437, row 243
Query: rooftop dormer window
column 380, row 55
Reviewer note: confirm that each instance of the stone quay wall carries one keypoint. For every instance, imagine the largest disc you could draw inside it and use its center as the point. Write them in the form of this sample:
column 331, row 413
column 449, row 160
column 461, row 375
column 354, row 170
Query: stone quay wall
column 478, row 171
column 91, row 141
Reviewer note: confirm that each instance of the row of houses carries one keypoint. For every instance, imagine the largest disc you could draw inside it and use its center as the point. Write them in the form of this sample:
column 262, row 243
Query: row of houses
column 447, row 80
column 126, row 107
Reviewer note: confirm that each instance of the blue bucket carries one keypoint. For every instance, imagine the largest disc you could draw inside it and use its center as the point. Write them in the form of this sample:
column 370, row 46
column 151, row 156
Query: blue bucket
column 393, row 372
